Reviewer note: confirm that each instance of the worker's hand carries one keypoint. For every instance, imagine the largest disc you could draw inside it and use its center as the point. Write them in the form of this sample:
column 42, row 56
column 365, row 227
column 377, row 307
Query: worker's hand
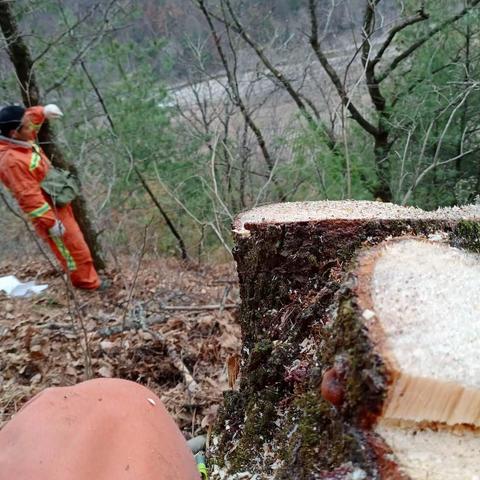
column 51, row 111
column 58, row 230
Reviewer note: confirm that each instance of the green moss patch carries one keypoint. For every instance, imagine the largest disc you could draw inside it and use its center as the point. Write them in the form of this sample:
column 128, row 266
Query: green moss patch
column 467, row 235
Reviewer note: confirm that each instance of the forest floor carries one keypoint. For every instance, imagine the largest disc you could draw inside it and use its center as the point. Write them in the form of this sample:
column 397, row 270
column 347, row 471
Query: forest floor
column 137, row 330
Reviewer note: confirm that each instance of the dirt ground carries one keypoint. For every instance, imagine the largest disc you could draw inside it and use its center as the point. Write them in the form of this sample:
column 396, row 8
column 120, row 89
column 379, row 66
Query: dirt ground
column 138, row 330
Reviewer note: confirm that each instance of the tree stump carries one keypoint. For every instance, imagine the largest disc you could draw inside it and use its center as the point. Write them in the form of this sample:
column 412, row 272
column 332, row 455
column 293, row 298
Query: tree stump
column 361, row 327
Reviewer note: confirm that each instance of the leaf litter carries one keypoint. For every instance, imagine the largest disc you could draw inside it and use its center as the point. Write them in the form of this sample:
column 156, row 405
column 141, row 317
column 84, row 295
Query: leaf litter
column 132, row 334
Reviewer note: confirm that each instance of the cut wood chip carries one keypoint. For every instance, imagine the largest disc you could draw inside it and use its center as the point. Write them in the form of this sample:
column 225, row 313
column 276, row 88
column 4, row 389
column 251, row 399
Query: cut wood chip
column 233, row 369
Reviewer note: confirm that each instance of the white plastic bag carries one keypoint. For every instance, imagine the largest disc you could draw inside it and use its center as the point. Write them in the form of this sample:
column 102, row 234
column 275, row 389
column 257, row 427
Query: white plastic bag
column 13, row 287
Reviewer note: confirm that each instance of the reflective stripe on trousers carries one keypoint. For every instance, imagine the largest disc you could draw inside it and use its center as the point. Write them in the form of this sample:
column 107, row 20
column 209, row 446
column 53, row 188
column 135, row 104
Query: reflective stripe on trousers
column 71, row 265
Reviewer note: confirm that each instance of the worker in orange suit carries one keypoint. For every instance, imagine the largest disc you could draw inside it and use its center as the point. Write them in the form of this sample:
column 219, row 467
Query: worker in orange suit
column 23, row 166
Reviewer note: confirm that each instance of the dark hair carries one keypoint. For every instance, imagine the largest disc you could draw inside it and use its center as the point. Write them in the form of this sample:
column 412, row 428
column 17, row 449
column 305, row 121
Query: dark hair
column 10, row 119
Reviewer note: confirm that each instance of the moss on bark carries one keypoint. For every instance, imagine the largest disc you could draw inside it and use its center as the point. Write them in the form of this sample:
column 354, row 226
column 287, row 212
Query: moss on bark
column 298, row 318
column 467, row 235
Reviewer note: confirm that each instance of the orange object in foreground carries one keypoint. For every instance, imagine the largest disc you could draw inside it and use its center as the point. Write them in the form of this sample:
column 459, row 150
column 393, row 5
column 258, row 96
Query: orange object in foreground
column 103, row 429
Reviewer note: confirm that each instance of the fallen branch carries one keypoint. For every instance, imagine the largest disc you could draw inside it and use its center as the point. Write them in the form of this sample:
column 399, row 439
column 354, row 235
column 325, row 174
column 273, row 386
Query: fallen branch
column 134, row 324
column 192, row 385
column 200, row 307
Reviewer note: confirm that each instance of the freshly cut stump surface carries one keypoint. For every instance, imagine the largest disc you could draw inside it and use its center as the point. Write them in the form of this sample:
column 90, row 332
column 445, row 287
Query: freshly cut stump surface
column 300, row 212
column 422, row 307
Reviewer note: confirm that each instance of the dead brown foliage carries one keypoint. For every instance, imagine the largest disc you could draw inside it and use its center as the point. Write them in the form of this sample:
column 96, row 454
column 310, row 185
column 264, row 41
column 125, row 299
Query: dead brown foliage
column 40, row 339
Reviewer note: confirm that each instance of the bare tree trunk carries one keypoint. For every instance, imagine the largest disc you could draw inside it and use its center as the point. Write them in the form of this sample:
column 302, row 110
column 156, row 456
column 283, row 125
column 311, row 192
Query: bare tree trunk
column 22, row 61
column 382, row 190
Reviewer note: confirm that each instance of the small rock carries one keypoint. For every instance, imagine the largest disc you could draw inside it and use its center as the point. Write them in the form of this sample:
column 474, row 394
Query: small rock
column 105, row 372
column 36, row 379
column 368, row 314
column 105, row 345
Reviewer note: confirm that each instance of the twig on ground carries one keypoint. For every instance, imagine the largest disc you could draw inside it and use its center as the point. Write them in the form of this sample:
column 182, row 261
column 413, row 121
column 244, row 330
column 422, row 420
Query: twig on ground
column 139, row 263
column 135, row 324
column 226, row 291
column 221, row 282
column 192, row 385
column 199, row 307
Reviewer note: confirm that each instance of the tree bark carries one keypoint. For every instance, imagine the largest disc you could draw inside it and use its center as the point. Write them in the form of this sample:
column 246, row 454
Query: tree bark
column 21, row 59
column 312, row 382
column 382, row 190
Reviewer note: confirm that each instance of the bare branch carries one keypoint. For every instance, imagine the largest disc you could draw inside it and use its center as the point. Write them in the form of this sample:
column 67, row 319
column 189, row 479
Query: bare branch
column 60, row 37
column 435, row 163
column 419, row 17
column 191, row 214
column 143, row 181
column 231, row 77
column 415, row 46
column 368, row 28
column 331, row 72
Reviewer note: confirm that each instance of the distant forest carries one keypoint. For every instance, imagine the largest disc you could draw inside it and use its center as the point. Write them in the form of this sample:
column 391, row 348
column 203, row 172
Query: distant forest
column 182, row 113
column 177, row 25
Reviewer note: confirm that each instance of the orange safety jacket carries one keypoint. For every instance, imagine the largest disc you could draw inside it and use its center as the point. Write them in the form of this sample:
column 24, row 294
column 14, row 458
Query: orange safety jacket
column 23, row 166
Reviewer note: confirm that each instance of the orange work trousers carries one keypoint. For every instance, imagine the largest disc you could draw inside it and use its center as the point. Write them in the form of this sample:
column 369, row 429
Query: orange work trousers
column 102, row 429
column 72, row 251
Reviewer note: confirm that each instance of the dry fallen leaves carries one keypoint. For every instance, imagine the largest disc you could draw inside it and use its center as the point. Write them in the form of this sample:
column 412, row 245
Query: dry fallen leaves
column 40, row 339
